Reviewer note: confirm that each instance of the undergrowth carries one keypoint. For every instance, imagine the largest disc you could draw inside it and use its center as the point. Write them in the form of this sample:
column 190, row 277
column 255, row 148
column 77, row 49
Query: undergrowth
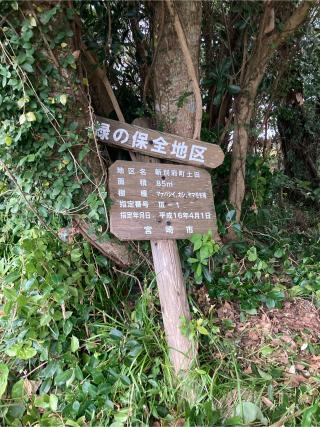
column 82, row 343
column 83, row 346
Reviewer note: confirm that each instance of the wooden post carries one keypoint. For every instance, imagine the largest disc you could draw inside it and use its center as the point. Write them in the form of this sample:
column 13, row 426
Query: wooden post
column 174, row 303
column 172, row 290
column 171, row 82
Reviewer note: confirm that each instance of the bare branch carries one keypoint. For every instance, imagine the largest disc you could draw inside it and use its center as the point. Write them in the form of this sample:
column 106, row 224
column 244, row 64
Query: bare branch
column 117, row 252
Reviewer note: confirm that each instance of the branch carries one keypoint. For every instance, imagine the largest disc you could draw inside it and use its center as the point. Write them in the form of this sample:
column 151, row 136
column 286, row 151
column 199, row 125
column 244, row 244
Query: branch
column 267, row 44
column 54, row 59
column 190, row 67
column 106, row 83
column 296, row 19
column 147, row 79
column 117, row 252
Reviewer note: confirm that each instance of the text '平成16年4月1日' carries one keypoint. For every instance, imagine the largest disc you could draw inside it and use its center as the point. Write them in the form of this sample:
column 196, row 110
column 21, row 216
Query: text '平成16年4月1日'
column 160, row 201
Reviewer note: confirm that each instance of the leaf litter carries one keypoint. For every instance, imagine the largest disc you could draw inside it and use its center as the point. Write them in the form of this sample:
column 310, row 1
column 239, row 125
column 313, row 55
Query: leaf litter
column 286, row 337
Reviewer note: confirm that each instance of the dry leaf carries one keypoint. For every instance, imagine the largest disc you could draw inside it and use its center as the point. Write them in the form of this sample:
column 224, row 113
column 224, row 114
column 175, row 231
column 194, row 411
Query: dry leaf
column 294, row 380
column 267, row 401
column 76, row 54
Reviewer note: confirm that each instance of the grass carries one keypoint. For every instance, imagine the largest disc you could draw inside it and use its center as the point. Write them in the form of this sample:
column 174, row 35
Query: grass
column 85, row 345
column 222, row 386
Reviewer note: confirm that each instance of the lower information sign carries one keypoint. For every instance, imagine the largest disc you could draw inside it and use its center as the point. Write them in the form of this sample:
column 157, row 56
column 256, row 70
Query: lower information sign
column 160, row 201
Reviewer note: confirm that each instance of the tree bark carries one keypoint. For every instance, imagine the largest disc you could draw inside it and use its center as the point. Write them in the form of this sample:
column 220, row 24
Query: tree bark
column 266, row 43
column 175, row 112
column 243, row 114
column 174, row 99
column 69, row 81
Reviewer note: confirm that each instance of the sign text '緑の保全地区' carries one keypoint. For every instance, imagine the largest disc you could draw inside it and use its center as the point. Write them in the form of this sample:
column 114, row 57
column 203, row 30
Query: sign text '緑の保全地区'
column 158, row 144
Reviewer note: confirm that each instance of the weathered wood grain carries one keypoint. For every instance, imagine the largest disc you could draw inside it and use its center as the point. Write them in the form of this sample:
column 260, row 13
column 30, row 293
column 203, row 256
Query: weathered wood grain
column 160, row 201
column 158, row 144
column 118, row 253
column 172, row 292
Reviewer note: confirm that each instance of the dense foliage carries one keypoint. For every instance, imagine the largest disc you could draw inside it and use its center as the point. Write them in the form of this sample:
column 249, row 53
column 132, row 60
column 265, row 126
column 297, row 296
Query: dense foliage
column 82, row 341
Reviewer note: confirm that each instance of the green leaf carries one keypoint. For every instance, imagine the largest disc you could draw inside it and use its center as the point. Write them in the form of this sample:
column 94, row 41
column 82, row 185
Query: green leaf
column 74, row 344
column 279, row 253
column 76, row 255
column 217, row 100
column 265, row 351
column 206, row 251
column 23, row 101
column 122, row 415
column 252, row 254
column 233, row 421
column 11, row 278
column 32, row 21
column 8, row 140
column 22, row 119
column 26, row 353
column 236, row 228
column 72, row 423
column 64, row 378
column 307, row 416
column 264, row 375
column 199, row 270
column 18, row 391
column 250, row 413
column 31, row 117
column 53, row 402
column 27, row 67
column 196, row 239
column 46, row 16
column 202, row 330
column 125, row 380
column 230, row 215
column 115, row 334
column 67, row 327
column 42, row 401
column 234, row 89
column 4, row 372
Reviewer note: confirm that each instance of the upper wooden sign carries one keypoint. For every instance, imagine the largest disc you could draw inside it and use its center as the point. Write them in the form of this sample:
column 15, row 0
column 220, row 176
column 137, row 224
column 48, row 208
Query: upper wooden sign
column 160, row 201
column 158, row 144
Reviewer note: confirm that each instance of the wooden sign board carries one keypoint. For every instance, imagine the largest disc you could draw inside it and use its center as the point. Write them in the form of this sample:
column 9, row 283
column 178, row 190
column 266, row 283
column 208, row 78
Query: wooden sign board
column 160, row 201
column 158, row 144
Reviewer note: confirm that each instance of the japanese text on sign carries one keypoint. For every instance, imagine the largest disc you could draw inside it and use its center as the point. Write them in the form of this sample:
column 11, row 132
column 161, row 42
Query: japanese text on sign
column 152, row 201
column 157, row 144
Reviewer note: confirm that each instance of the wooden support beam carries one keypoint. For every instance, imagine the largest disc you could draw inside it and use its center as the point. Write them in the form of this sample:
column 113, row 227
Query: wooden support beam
column 172, row 290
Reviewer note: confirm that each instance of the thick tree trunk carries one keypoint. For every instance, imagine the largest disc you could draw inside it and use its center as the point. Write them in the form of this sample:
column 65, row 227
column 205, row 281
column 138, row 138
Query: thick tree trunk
column 68, row 80
column 175, row 111
column 174, row 99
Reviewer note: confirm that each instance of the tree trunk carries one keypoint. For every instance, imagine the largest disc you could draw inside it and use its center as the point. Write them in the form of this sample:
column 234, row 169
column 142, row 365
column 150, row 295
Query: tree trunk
column 264, row 47
column 175, row 112
column 66, row 80
column 174, row 100
column 243, row 113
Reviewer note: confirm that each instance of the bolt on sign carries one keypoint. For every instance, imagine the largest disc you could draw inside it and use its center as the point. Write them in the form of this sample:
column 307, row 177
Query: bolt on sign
column 159, row 144
column 160, row 201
